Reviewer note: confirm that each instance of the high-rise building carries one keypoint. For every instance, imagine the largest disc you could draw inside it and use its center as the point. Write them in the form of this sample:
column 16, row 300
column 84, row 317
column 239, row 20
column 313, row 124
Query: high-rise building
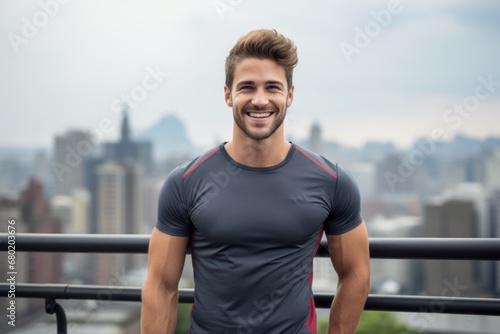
column 110, row 217
column 451, row 218
column 111, row 198
column 126, row 152
column 133, row 205
column 35, row 212
column 114, row 182
column 119, row 199
column 71, row 150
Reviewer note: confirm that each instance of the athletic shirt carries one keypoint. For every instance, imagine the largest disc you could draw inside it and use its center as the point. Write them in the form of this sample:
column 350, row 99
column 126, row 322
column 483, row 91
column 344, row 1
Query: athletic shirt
column 254, row 233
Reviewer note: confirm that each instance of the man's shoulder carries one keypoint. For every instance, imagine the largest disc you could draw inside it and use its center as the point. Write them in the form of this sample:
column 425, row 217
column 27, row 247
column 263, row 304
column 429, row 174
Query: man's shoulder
column 328, row 166
column 190, row 166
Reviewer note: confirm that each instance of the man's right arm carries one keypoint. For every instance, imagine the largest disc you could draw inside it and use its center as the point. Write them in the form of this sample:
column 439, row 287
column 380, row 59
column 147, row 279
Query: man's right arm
column 160, row 291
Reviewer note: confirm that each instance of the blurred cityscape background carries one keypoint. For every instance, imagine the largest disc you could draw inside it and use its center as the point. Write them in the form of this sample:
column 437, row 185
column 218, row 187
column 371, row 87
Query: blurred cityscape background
column 432, row 189
column 412, row 112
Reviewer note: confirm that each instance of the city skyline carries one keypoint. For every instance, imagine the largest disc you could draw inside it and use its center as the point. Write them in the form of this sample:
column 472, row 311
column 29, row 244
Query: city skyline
column 113, row 136
column 368, row 71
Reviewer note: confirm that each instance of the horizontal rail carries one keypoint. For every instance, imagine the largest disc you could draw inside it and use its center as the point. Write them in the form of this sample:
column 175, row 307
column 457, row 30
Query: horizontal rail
column 380, row 248
column 425, row 304
column 78, row 243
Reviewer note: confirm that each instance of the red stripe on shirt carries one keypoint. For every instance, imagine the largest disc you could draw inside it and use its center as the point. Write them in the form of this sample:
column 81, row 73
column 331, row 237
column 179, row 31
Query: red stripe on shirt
column 311, row 322
column 196, row 165
column 326, row 169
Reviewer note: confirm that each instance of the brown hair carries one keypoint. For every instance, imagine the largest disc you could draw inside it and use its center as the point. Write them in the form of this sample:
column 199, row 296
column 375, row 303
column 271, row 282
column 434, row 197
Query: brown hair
column 263, row 44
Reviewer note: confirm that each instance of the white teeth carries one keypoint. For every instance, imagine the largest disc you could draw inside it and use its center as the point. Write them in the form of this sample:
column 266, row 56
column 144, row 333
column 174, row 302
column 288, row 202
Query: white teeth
column 260, row 115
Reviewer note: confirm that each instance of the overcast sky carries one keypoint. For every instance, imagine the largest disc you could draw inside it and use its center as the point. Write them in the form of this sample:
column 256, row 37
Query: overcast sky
column 368, row 70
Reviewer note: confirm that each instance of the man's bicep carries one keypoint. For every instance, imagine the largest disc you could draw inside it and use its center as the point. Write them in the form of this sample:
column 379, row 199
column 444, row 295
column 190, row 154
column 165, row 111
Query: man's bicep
column 166, row 257
column 350, row 251
column 173, row 215
column 345, row 213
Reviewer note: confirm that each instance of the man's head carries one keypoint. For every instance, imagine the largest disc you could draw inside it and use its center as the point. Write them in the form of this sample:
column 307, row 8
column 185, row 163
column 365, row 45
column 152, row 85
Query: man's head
column 263, row 44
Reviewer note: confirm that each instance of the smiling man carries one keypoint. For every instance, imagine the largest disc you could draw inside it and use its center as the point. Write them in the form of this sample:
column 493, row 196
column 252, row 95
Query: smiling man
column 254, row 210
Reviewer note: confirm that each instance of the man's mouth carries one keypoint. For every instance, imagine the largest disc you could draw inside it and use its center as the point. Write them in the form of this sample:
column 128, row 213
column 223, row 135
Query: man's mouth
column 259, row 114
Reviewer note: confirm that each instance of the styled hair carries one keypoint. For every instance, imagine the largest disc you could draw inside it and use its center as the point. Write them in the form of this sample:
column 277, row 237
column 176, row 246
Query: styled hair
column 263, row 44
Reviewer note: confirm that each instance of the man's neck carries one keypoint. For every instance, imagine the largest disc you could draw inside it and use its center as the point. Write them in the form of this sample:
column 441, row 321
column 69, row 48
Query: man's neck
column 261, row 153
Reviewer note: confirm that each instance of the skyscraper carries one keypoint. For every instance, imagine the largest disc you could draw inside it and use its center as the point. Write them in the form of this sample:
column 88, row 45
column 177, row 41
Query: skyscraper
column 119, row 199
column 114, row 181
column 110, row 216
column 71, row 150
column 453, row 218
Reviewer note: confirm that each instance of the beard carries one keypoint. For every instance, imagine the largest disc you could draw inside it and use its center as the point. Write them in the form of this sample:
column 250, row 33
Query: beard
column 239, row 119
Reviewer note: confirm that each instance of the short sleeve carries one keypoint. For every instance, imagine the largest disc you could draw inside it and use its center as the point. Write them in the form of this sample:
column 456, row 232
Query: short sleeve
column 172, row 216
column 345, row 214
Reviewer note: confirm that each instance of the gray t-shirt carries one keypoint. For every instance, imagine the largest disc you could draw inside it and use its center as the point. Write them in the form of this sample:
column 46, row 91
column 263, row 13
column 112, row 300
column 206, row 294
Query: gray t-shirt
column 254, row 233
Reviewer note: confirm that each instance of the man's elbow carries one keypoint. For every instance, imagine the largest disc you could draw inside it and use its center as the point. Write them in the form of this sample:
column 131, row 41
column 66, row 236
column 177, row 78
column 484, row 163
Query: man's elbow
column 359, row 281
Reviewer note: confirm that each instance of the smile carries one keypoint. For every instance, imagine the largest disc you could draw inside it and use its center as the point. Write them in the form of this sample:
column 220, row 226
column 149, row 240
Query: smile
column 259, row 114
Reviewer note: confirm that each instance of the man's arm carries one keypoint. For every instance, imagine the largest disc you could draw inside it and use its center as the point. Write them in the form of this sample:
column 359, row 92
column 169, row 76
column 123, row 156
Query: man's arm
column 160, row 291
column 350, row 257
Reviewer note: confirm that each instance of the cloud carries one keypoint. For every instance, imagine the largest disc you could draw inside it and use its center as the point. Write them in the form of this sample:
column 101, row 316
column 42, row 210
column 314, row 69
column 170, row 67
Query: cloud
column 92, row 52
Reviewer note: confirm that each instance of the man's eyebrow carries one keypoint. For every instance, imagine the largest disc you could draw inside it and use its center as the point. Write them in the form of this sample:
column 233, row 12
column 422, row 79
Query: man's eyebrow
column 269, row 82
column 247, row 82
column 274, row 82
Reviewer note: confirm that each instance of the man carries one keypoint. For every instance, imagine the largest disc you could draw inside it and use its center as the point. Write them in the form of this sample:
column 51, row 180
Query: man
column 254, row 210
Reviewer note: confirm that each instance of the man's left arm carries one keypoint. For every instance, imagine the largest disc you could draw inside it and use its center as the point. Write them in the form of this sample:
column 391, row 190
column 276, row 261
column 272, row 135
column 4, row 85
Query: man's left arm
column 349, row 253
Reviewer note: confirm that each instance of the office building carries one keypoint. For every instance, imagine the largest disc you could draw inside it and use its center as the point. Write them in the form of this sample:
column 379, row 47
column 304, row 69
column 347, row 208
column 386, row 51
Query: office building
column 453, row 218
column 71, row 150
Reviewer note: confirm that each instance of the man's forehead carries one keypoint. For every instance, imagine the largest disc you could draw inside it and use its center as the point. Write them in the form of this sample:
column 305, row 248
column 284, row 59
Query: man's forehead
column 254, row 69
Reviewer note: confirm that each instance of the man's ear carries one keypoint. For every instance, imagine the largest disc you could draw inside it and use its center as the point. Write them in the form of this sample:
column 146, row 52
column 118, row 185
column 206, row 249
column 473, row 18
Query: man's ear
column 290, row 96
column 227, row 96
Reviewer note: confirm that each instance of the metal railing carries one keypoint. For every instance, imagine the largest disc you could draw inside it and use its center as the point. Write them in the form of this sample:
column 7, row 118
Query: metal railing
column 381, row 248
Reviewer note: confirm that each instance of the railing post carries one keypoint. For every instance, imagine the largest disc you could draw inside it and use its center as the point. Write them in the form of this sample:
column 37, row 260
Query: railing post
column 51, row 307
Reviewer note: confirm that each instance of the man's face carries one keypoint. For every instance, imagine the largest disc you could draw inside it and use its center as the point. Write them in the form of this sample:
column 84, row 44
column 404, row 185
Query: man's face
column 259, row 97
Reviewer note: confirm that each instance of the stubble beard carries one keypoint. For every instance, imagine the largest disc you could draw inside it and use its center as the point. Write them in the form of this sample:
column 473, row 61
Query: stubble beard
column 277, row 122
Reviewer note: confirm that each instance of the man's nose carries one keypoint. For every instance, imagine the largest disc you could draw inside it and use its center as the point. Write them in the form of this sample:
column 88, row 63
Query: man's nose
column 260, row 98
